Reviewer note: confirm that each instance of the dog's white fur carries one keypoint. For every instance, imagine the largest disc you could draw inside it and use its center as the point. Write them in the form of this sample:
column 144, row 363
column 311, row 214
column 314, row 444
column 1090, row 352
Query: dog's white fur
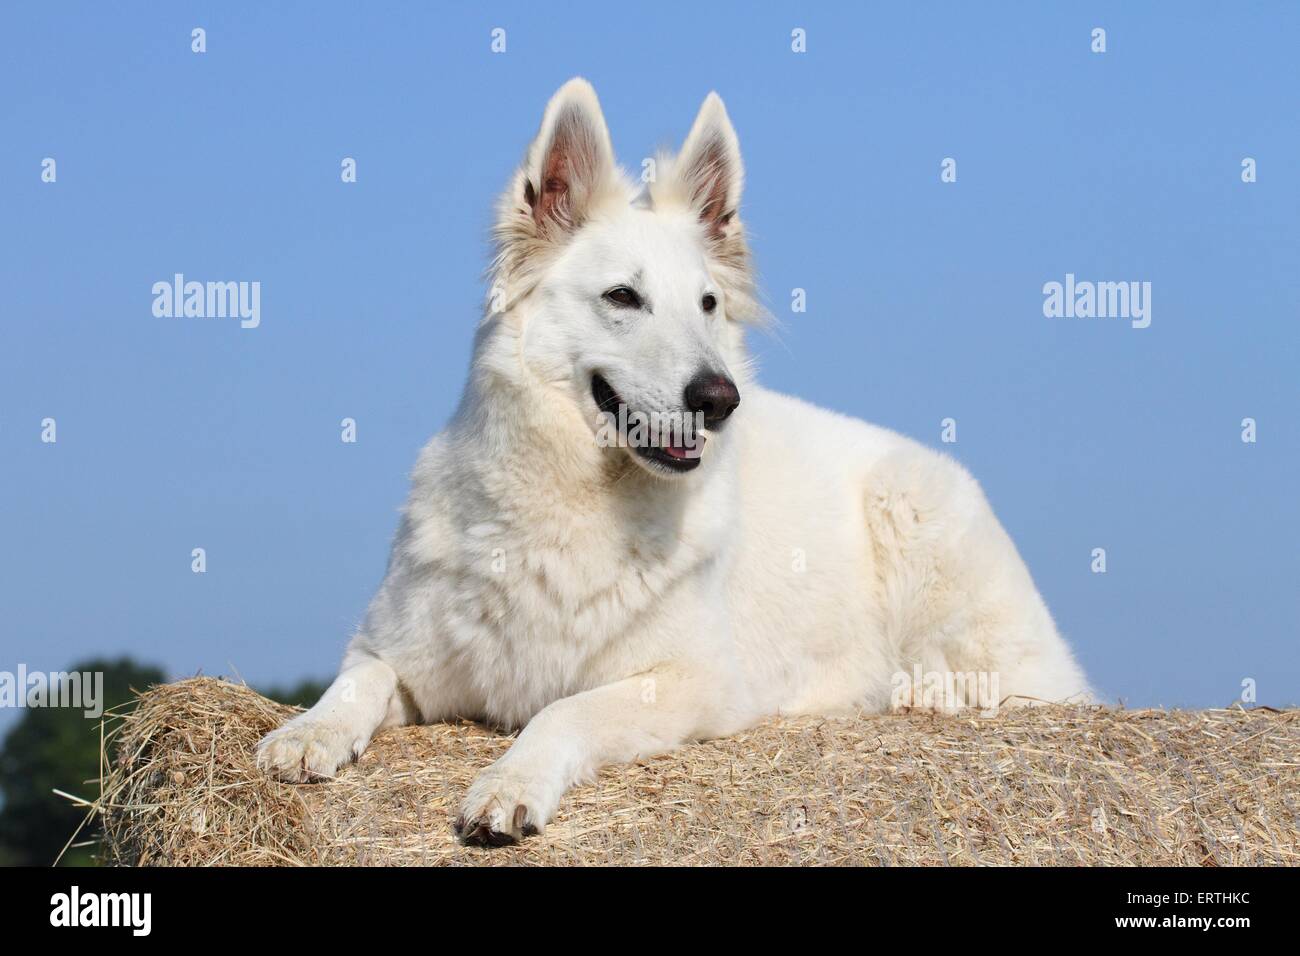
column 611, row 610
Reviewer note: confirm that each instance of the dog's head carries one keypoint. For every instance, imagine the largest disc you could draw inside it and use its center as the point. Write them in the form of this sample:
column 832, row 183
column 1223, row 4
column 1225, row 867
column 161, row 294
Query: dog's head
column 629, row 296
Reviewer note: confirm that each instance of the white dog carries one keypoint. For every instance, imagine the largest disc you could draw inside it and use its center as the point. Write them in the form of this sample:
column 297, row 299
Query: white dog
column 616, row 598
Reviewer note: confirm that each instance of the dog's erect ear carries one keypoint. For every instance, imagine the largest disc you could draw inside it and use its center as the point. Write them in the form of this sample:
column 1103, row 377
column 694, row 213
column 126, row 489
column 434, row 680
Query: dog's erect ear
column 570, row 162
column 710, row 170
column 707, row 178
column 568, row 169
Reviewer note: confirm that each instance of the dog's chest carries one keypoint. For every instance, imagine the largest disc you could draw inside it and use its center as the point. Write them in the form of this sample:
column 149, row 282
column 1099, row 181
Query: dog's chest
column 533, row 616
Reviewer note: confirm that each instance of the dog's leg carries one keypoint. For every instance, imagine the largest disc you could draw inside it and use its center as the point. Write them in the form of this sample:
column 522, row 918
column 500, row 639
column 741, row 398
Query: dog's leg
column 362, row 698
column 572, row 738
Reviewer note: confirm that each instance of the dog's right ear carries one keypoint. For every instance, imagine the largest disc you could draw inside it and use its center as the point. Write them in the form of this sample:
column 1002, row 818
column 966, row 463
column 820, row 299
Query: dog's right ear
column 568, row 169
column 570, row 162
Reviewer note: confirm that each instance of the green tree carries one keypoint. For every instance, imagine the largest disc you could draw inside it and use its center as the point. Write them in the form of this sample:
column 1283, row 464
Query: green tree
column 58, row 747
column 302, row 694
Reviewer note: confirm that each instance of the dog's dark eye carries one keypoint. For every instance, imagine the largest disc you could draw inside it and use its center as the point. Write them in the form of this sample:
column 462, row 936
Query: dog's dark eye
column 622, row 295
column 709, row 302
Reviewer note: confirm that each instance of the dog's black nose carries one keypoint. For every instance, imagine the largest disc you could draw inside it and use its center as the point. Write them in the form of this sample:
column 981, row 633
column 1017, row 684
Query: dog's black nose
column 712, row 395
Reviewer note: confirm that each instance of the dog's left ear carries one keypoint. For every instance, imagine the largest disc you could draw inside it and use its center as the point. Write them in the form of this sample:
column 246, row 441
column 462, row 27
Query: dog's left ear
column 707, row 177
column 710, row 170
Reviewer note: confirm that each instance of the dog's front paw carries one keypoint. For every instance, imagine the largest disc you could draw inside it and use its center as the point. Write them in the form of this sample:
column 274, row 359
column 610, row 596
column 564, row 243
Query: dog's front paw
column 304, row 750
column 505, row 805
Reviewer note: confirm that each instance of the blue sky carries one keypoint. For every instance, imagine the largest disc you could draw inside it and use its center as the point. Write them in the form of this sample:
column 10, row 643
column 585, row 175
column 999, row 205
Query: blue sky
column 924, row 298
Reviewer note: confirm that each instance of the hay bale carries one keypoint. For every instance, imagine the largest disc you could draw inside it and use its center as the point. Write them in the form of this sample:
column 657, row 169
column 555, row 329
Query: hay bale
column 1043, row 786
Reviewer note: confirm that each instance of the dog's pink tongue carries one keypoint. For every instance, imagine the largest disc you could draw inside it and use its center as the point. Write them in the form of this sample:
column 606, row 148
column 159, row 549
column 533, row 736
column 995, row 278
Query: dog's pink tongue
column 681, row 451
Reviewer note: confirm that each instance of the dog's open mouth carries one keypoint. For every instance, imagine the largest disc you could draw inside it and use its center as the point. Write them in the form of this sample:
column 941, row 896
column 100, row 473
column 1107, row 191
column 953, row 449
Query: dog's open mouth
column 676, row 449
